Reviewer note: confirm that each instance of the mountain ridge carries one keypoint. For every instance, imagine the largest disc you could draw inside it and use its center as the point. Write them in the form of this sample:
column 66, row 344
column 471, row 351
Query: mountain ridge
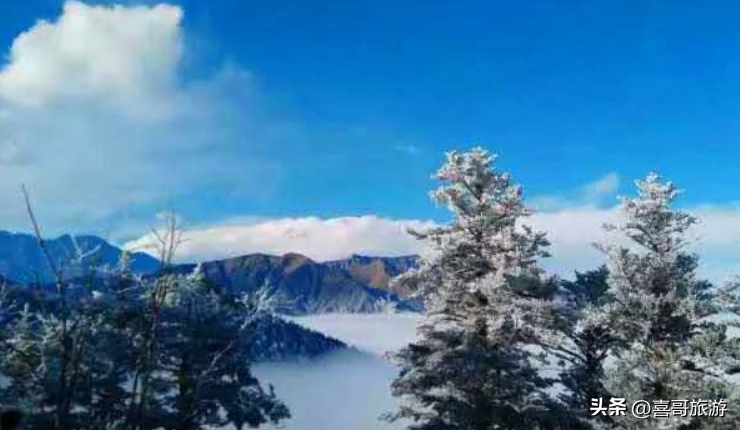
column 23, row 261
column 377, row 272
column 310, row 287
column 357, row 284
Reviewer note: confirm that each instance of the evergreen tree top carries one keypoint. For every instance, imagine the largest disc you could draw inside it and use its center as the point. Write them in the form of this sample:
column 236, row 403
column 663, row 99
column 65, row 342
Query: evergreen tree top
column 652, row 221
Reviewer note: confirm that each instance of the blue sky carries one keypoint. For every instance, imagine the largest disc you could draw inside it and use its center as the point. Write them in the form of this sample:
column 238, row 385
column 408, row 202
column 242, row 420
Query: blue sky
column 565, row 91
column 245, row 110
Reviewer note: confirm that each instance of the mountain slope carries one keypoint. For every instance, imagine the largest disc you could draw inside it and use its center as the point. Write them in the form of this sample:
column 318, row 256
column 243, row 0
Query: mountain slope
column 22, row 260
column 377, row 272
column 302, row 285
column 276, row 339
column 358, row 284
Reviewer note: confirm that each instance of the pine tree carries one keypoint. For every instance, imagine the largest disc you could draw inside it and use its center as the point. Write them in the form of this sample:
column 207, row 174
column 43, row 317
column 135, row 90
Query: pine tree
column 22, row 360
column 95, row 376
column 126, row 352
column 485, row 299
column 207, row 348
column 665, row 350
column 586, row 344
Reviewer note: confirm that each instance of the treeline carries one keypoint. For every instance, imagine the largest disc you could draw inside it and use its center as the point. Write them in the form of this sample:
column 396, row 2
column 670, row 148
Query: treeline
column 123, row 351
column 507, row 346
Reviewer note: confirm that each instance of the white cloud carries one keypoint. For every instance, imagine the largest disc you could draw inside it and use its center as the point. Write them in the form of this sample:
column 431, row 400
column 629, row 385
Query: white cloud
column 355, row 400
column 124, row 56
column 575, row 222
column 319, row 239
column 98, row 121
column 379, row 334
column 606, row 186
column 361, row 395
column 572, row 232
column 716, row 239
column 592, row 194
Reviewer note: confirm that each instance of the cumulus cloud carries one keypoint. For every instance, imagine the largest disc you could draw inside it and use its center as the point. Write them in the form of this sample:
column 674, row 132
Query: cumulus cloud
column 126, row 56
column 99, row 122
column 319, row 239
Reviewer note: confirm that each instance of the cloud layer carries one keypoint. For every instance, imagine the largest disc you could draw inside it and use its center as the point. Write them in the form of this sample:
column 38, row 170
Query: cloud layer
column 716, row 239
column 572, row 233
column 319, row 239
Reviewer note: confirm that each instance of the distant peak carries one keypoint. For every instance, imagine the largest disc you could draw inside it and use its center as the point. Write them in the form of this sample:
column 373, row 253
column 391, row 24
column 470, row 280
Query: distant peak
column 293, row 261
column 23, row 261
column 294, row 256
column 367, row 258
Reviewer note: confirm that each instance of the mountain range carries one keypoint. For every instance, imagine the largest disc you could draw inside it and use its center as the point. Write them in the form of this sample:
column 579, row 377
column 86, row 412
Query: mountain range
column 22, row 260
column 358, row 284
column 303, row 286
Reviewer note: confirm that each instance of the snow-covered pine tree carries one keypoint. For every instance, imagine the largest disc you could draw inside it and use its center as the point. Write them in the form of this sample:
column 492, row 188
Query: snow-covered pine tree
column 485, row 298
column 91, row 391
column 21, row 360
column 125, row 352
column 192, row 366
column 666, row 350
column 47, row 355
column 206, row 345
column 586, row 344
